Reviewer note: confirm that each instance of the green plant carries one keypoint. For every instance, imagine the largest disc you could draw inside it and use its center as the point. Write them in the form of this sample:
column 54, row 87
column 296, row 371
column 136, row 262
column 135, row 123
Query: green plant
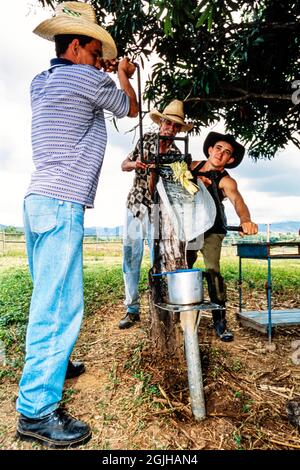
column 145, row 378
column 15, row 294
column 237, row 365
column 134, row 361
column 68, row 395
column 237, row 439
column 102, row 285
column 108, row 418
column 216, row 371
column 244, row 401
column 105, row 446
column 152, row 389
column 247, row 406
column 113, row 375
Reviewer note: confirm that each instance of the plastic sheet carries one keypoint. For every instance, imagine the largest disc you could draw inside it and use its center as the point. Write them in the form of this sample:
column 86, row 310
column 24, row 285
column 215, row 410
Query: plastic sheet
column 191, row 215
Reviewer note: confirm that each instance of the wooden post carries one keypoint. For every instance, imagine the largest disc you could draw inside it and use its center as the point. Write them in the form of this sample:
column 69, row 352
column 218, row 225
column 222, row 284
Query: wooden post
column 165, row 330
column 3, row 241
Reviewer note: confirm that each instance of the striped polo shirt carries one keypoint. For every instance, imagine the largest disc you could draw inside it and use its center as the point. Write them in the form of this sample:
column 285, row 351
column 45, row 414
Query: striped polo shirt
column 68, row 129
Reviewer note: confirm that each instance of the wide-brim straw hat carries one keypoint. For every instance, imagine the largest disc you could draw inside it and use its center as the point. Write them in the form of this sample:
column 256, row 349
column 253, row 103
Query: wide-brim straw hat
column 77, row 18
column 238, row 149
column 173, row 112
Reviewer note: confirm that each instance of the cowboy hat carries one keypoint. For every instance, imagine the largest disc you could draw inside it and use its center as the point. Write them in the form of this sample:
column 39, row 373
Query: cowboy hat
column 173, row 112
column 77, row 18
column 238, row 149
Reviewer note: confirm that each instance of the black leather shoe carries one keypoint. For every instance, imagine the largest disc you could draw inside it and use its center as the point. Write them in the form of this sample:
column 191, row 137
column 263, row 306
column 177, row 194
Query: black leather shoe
column 56, row 430
column 74, row 369
column 222, row 332
column 129, row 320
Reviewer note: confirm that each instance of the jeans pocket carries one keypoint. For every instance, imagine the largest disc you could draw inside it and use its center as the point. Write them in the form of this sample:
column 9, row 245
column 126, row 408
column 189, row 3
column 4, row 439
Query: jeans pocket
column 42, row 212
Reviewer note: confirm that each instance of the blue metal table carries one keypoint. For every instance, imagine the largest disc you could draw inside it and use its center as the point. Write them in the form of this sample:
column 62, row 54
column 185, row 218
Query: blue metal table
column 264, row 320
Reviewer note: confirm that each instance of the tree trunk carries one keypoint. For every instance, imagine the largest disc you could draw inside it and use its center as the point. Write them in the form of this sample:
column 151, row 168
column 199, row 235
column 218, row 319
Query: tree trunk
column 169, row 255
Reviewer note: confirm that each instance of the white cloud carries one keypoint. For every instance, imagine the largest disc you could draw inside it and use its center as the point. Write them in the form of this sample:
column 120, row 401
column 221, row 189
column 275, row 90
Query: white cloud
column 270, row 188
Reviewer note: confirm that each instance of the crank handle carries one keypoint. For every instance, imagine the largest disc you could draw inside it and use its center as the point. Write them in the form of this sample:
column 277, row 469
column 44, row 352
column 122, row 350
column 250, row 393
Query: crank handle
column 233, row 228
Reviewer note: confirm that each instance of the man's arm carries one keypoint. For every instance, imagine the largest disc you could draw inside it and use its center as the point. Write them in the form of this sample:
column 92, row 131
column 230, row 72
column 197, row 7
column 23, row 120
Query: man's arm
column 128, row 164
column 133, row 160
column 230, row 189
column 125, row 71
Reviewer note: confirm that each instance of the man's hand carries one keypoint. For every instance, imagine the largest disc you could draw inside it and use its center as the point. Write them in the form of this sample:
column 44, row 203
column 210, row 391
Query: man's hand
column 114, row 65
column 206, row 181
column 139, row 165
column 249, row 228
column 127, row 67
column 130, row 165
column 107, row 65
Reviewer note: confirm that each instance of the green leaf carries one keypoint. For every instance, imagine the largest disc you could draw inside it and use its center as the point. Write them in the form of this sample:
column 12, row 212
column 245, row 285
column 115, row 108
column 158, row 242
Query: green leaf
column 160, row 11
column 115, row 124
column 203, row 17
column 210, row 19
column 182, row 66
column 168, row 26
column 258, row 41
column 200, row 6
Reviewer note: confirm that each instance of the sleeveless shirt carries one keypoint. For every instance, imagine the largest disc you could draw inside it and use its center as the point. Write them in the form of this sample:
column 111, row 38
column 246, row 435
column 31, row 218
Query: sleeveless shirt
column 217, row 195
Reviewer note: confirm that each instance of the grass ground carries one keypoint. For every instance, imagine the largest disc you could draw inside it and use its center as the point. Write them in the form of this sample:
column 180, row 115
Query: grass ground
column 133, row 402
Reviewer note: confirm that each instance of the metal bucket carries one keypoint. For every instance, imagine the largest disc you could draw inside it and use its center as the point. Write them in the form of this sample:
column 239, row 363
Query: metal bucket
column 185, row 286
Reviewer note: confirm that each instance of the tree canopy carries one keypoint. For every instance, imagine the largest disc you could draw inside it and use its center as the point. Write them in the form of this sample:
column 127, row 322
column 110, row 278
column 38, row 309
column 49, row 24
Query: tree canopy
column 227, row 59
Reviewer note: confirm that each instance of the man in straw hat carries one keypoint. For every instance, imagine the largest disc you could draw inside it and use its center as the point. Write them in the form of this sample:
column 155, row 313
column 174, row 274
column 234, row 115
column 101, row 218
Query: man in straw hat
column 222, row 151
column 68, row 140
column 139, row 217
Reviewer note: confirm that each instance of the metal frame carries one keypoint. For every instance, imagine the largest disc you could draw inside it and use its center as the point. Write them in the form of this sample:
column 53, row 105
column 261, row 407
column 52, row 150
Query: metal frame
column 262, row 251
column 173, row 308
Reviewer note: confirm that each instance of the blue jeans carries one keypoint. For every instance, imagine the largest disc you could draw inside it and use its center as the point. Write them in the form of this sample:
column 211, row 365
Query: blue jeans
column 54, row 236
column 135, row 232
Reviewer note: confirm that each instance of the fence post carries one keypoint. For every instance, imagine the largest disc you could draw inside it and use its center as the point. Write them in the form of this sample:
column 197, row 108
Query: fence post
column 3, row 241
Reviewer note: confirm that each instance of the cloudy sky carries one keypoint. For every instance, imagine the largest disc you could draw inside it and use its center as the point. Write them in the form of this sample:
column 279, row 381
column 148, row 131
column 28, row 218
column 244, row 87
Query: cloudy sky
column 270, row 188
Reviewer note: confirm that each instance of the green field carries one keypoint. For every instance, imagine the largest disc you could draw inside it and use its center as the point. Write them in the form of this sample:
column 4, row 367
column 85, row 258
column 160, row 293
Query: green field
column 103, row 283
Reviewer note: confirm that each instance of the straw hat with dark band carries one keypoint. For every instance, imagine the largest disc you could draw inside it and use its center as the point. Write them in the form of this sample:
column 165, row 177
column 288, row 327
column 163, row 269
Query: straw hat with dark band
column 173, row 112
column 77, row 18
column 238, row 149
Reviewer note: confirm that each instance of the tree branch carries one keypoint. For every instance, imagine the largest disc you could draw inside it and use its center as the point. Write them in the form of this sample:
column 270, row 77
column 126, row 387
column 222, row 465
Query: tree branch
column 295, row 141
column 274, row 26
column 246, row 95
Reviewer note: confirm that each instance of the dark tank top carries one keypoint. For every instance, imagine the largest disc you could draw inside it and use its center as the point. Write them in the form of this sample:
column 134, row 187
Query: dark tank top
column 216, row 193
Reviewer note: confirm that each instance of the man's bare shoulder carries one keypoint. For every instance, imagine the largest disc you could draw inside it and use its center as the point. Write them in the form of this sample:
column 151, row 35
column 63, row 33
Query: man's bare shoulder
column 227, row 182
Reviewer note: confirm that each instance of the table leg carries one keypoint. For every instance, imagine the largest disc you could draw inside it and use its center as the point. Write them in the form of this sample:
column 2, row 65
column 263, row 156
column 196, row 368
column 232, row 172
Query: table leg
column 269, row 296
column 240, row 285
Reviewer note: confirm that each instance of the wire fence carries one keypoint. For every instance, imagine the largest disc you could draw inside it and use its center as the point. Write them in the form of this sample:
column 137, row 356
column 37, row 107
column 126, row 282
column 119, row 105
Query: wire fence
column 14, row 240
